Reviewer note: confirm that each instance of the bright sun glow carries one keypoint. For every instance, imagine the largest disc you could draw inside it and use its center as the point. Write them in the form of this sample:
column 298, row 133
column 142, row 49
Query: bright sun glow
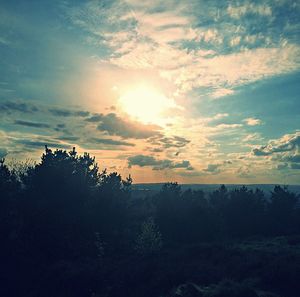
column 146, row 104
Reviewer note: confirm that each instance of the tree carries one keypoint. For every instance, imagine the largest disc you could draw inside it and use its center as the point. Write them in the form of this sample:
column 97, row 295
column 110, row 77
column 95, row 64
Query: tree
column 149, row 240
column 9, row 191
column 244, row 212
column 282, row 210
column 56, row 196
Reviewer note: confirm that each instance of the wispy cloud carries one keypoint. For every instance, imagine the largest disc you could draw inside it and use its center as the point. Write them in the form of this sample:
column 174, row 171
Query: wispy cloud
column 238, row 11
column 142, row 39
column 71, row 69
column 112, row 142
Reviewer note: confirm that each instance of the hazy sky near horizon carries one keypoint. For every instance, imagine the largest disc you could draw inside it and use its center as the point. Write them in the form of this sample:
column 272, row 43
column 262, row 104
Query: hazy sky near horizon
column 187, row 91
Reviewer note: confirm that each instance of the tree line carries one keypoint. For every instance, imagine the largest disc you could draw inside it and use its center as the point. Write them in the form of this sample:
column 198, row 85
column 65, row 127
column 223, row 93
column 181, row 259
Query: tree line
column 64, row 208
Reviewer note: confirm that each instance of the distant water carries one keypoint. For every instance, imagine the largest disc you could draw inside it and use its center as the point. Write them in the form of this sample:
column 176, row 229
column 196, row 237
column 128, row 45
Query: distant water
column 152, row 188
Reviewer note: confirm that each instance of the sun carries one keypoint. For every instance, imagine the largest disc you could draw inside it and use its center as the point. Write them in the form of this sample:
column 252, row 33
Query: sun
column 146, row 104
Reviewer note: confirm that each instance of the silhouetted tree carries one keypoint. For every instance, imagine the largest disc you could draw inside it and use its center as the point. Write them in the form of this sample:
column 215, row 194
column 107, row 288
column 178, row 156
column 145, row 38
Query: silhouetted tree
column 57, row 191
column 282, row 211
column 9, row 191
column 244, row 213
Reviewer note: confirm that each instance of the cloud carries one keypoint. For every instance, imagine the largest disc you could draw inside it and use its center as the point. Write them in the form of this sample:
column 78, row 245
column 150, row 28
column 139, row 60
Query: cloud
column 252, row 121
column 221, row 127
column 191, row 54
column 284, row 150
column 295, row 166
column 31, row 124
column 287, row 143
column 235, row 41
column 12, row 106
column 68, row 138
column 40, row 143
column 115, row 125
column 252, row 137
column 112, row 142
column 282, row 166
column 220, row 116
column 244, row 172
column 28, row 107
column 249, row 8
column 212, row 168
column 157, row 164
column 94, row 118
column 59, row 112
column 292, row 158
column 221, row 92
column 169, row 142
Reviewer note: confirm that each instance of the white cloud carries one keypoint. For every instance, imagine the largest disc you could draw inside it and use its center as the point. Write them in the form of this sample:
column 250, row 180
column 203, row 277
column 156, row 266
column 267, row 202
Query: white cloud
column 287, row 143
column 226, row 126
column 221, row 92
column 252, row 137
column 235, row 41
column 252, row 121
column 220, row 116
column 249, row 8
column 152, row 41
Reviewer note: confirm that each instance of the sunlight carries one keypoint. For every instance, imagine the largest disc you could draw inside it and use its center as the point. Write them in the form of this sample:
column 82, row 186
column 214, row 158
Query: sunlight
column 146, row 104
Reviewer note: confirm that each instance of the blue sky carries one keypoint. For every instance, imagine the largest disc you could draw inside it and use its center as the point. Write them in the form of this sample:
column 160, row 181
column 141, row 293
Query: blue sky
column 188, row 91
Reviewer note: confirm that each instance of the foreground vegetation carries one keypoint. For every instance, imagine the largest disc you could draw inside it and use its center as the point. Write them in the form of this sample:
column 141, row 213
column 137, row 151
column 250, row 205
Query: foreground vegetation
column 68, row 229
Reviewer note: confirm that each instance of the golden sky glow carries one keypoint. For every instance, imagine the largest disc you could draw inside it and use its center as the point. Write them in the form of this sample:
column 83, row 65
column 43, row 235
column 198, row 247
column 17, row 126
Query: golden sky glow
column 187, row 91
column 145, row 103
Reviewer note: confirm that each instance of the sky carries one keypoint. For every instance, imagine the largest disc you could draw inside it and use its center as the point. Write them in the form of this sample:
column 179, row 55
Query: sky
column 186, row 91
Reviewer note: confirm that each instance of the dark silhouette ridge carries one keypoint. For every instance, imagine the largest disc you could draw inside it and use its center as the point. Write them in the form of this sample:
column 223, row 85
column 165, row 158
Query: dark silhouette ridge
column 69, row 229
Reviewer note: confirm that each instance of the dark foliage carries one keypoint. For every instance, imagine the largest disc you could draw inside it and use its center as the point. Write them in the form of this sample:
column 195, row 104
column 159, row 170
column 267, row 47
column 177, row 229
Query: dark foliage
column 68, row 229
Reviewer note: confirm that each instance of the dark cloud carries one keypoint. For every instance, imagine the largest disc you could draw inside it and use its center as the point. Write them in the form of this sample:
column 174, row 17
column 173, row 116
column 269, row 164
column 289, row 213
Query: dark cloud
column 289, row 162
column 155, row 150
column 60, row 127
column 213, row 168
column 115, row 125
column 95, row 118
column 169, row 142
column 112, row 142
column 11, row 106
column 292, row 158
column 282, row 166
column 183, row 164
column 81, row 113
column 68, row 138
column 31, row 124
column 244, row 172
column 40, row 143
column 295, row 166
column 260, row 151
column 142, row 161
column 157, row 164
column 60, row 112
